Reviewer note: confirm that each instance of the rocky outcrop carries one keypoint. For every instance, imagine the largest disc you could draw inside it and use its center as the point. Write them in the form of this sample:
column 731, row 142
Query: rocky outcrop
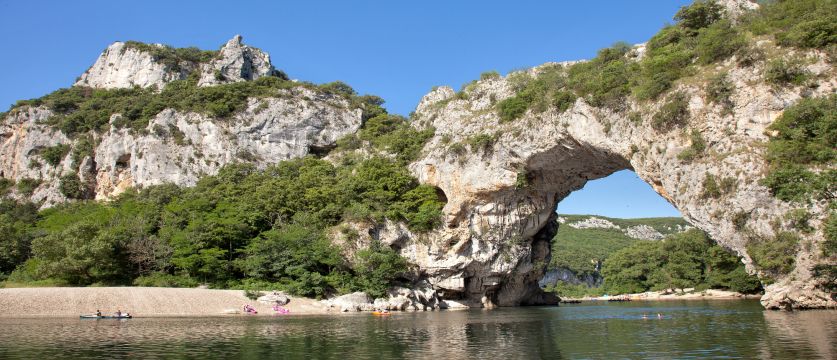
column 176, row 147
column 491, row 249
column 122, row 66
column 565, row 275
column 236, row 62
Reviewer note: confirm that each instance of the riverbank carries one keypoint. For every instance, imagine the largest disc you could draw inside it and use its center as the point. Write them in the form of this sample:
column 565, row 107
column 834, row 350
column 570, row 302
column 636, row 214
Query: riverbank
column 139, row 301
column 685, row 294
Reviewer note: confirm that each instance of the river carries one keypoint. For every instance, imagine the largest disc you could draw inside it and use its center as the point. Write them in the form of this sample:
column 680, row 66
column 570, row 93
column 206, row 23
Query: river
column 687, row 329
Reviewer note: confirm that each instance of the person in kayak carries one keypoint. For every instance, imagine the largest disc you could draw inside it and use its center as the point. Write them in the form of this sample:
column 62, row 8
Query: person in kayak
column 98, row 312
column 118, row 313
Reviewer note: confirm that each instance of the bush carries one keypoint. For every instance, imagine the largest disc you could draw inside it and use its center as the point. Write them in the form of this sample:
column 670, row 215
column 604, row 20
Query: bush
column 775, row 256
column 799, row 23
column 481, row 142
column 675, row 112
column 605, row 80
column 719, row 91
column 27, row 186
column 71, row 186
column 698, row 15
column 785, row 72
column 698, row 145
column 718, row 42
column 378, row 266
column 489, row 75
column 563, row 100
column 5, row 185
column 829, row 247
column 798, row 219
column 805, row 135
column 512, row 108
column 165, row 280
column 54, row 154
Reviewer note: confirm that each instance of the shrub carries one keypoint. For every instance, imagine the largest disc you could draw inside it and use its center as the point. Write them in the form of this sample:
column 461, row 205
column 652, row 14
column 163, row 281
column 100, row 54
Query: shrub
column 775, row 256
column 718, row 42
column 5, row 185
column 605, row 80
column 799, row 23
column 165, row 280
column 698, row 145
column 489, row 75
column 172, row 57
column 785, row 72
column 719, row 91
column 71, row 186
column 481, row 142
column 563, row 100
column 798, row 219
column 54, row 154
column 512, row 108
column 805, row 135
column 27, row 186
column 830, row 233
column 711, row 189
column 698, row 15
column 675, row 112
column 522, row 180
column 377, row 267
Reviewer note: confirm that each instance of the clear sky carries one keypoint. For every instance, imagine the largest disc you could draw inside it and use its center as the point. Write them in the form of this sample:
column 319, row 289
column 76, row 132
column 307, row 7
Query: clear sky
column 397, row 50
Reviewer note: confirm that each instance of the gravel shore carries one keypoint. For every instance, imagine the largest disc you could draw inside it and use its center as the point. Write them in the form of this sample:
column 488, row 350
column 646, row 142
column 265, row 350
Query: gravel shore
column 139, row 301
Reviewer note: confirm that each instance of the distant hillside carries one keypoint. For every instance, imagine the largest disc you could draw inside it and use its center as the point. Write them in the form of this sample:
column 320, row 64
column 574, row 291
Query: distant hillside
column 584, row 241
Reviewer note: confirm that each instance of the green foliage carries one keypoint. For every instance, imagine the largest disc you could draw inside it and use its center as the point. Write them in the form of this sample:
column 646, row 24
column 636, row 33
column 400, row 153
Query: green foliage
column 6, row 185
column 172, row 57
column 16, row 228
column 798, row 219
column 798, row 23
column 696, row 148
column 522, row 180
column 698, row 15
column 829, row 247
column 27, row 186
column 566, row 290
column 719, row 92
column 54, row 154
column 378, row 266
column 718, row 42
column 481, row 142
column 711, row 189
column 605, row 80
column 682, row 260
column 489, row 75
column 512, row 108
column 71, row 186
column 675, row 112
column 394, row 134
column 158, row 279
column 775, row 256
column 805, row 140
column 785, row 72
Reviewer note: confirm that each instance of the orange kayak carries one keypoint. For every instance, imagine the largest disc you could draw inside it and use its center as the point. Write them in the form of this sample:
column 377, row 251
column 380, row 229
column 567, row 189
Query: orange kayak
column 380, row 313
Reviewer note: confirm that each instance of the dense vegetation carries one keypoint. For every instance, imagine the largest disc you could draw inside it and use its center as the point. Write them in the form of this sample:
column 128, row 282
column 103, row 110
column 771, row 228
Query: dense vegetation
column 628, row 265
column 244, row 227
column 80, row 110
column 700, row 36
column 684, row 260
column 172, row 57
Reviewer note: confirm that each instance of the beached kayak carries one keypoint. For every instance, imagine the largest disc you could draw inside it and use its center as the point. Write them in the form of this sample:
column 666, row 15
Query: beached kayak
column 105, row 317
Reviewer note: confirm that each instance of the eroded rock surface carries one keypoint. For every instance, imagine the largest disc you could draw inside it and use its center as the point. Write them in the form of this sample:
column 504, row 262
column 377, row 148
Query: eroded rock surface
column 490, row 249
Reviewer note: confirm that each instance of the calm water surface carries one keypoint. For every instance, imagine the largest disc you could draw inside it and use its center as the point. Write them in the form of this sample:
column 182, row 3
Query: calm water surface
column 720, row 329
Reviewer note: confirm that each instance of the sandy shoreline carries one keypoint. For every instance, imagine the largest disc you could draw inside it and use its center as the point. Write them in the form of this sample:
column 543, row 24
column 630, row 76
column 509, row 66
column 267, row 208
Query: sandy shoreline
column 662, row 296
column 174, row 302
column 139, row 301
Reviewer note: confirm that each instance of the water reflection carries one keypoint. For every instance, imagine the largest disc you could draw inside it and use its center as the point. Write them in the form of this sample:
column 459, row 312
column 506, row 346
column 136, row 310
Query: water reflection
column 686, row 330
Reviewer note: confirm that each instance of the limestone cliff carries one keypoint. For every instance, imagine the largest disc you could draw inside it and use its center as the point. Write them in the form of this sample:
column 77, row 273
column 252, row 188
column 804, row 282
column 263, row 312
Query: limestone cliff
column 176, row 147
column 493, row 245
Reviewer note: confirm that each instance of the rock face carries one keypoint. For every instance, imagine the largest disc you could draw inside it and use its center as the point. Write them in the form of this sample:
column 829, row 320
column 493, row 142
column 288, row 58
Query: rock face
column 494, row 243
column 121, row 66
column 565, row 275
column 236, row 62
column 177, row 147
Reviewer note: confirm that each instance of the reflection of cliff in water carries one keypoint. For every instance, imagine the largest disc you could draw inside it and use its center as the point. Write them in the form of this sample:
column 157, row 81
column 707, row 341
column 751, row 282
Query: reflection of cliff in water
column 800, row 335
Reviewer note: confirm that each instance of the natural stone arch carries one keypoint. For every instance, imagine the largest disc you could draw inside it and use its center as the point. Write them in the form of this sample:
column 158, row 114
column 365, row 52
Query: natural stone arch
column 496, row 234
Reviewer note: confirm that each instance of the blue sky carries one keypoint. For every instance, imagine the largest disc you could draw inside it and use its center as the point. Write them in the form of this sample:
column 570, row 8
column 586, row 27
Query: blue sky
column 397, row 50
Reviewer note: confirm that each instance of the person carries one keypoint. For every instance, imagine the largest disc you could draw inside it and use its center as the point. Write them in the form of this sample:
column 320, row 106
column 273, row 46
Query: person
column 98, row 312
column 118, row 312
column 659, row 316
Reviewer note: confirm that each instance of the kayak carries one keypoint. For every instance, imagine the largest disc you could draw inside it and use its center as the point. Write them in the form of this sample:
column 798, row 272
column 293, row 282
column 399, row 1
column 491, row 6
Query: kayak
column 380, row 313
column 105, row 317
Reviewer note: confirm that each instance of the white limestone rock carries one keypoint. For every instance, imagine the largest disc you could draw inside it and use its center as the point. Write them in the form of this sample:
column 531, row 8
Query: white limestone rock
column 122, row 66
column 236, row 62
